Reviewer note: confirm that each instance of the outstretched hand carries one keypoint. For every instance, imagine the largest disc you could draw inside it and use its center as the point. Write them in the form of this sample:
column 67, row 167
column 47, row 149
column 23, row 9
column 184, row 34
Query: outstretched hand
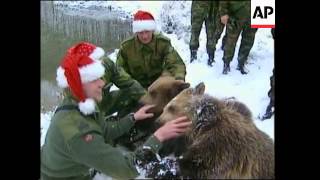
column 142, row 113
column 173, row 128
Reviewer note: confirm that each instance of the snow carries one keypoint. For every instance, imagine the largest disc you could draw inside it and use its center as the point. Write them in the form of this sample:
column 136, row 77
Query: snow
column 45, row 122
column 250, row 89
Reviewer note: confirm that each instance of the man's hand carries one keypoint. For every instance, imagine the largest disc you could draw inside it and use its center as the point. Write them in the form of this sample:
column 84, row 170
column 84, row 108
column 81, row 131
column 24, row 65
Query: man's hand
column 173, row 129
column 224, row 19
column 142, row 114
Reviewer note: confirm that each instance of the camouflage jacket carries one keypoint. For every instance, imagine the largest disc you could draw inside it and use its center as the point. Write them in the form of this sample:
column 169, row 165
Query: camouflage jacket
column 75, row 142
column 209, row 7
column 239, row 10
column 116, row 75
column 146, row 62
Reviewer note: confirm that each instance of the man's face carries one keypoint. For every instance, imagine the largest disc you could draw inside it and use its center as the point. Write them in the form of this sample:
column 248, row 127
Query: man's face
column 93, row 89
column 145, row 36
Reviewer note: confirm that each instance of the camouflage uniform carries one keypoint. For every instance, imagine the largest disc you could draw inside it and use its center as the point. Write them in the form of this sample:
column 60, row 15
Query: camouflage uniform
column 146, row 62
column 205, row 11
column 239, row 20
column 271, row 91
column 76, row 142
column 269, row 111
column 123, row 100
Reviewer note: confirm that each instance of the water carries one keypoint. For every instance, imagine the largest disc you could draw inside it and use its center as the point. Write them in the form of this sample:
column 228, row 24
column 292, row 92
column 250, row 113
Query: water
column 62, row 27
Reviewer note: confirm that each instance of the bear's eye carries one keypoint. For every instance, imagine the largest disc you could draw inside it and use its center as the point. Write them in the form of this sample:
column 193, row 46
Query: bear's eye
column 171, row 108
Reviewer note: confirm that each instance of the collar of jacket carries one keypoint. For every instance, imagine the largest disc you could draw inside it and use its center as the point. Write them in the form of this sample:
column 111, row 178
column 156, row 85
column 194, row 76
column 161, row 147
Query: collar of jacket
column 69, row 99
column 150, row 45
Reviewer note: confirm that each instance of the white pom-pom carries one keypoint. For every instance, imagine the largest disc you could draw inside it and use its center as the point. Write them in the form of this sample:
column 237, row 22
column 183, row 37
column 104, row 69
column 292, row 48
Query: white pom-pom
column 91, row 72
column 61, row 78
column 88, row 106
column 97, row 53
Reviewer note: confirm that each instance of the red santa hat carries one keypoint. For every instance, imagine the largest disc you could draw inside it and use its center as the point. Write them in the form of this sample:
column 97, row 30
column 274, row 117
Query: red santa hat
column 143, row 21
column 80, row 65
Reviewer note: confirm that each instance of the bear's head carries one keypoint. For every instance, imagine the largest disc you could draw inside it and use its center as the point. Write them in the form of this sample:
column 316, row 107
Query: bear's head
column 193, row 103
column 161, row 91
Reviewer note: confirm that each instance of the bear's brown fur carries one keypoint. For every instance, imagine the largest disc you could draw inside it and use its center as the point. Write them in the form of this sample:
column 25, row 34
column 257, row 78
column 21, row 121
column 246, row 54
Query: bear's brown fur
column 223, row 141
column 241, row 108
column 161, row 91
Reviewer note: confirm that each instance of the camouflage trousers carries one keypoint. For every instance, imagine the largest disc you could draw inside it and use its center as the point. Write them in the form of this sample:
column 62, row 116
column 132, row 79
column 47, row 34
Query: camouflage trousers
column 234, row 28
column 271, row 91
column 213, row 26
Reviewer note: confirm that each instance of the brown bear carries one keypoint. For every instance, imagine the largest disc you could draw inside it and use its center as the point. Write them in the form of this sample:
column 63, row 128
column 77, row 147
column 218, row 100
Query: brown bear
column 159, row 93
column 223, row 141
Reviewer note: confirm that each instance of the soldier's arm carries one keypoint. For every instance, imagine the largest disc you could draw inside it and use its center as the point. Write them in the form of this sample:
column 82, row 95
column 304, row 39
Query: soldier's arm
column 91, row 150
column 115, row 127
column 173, row 64
column 125, row 82
column 122, row 60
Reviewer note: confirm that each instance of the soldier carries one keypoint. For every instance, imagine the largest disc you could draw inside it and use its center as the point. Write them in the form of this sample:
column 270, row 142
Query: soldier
column 269, row 111
column 126, row 98
column 79, row 139
column 236, row 15
column 206, row 11
column 148, row 55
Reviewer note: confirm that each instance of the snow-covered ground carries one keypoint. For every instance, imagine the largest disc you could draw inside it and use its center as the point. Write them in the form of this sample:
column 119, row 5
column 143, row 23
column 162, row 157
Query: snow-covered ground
column 250, row 89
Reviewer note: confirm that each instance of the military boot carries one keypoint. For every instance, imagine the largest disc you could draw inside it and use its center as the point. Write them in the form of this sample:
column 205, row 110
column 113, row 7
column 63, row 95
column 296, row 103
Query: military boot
column 211, row 59
column 268, row 113
column 226, row 68
column 241, row 68
column 193, row 55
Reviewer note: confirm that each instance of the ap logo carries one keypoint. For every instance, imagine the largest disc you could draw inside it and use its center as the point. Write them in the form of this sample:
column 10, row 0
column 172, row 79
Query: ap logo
column 262, row 13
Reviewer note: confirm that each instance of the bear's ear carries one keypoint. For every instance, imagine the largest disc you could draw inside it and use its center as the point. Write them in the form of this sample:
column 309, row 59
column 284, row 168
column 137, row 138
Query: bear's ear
column 199, row 89
column 177, row 88
column 182, row 86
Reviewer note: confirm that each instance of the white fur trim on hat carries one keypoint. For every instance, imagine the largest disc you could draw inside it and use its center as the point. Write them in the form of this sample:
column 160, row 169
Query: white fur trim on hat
column 88, row 73
column 97, row 53
column 145, row 25
column 91, row 72
column 87, row 107
column 61, row 78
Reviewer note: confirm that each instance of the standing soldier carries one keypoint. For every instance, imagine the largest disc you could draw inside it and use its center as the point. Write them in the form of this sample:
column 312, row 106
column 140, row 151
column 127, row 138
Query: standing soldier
column 206, row 11
column 269, row 111
column 236, row 15
column 148, row 55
